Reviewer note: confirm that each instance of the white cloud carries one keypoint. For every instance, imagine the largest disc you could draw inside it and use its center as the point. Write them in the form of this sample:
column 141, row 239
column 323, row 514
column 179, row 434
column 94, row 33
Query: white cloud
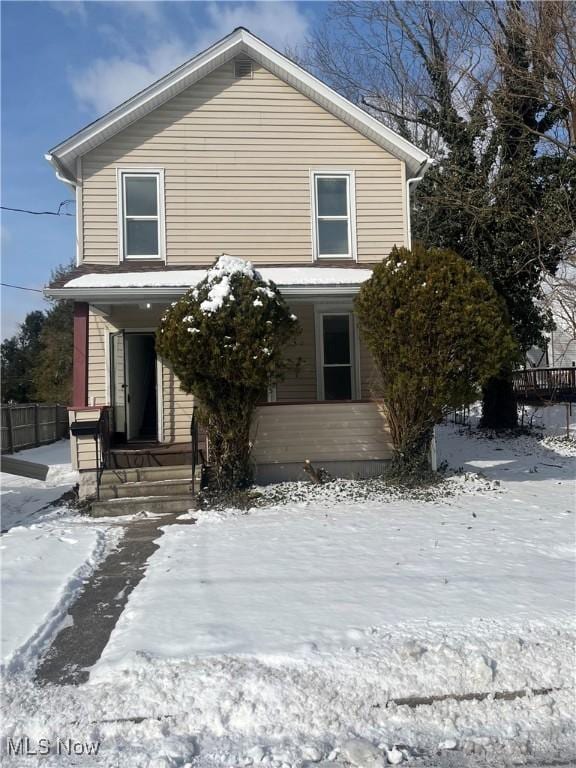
column 279, row 24
column 152, row 12
column 71, row 9
column 109, row 81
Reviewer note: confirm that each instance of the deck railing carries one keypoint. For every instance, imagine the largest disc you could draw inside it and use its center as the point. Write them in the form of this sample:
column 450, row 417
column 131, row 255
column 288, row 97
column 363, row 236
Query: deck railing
column 545, row 383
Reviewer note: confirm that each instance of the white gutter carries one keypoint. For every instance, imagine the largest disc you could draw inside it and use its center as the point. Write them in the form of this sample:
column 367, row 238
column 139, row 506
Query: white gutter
column 59, row 171
column 415, row 180
column 121, row 295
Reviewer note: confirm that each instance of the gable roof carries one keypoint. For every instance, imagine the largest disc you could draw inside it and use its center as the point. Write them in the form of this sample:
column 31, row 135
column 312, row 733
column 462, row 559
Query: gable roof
column 239, row 42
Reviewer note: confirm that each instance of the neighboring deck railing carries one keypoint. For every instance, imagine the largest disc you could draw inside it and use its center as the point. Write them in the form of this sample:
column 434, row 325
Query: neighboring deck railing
column 551, row 384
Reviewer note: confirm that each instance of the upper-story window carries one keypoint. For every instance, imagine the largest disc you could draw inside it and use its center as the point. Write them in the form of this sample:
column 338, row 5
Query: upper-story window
column 142, row 213
column 334, row 231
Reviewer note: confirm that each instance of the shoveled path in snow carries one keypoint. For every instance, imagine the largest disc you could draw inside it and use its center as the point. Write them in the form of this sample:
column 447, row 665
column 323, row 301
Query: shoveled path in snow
column 78, row 646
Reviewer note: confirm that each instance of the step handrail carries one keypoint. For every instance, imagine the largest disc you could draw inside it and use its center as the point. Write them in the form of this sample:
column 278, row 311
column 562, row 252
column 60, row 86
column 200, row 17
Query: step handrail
column 194, row 441
column 102, row 447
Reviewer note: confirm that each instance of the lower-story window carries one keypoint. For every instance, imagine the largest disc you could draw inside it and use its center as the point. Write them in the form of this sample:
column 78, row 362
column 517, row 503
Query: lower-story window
column 337, row 357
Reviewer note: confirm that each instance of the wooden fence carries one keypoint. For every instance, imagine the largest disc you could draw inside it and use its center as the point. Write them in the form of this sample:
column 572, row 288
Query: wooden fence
column 32, row 424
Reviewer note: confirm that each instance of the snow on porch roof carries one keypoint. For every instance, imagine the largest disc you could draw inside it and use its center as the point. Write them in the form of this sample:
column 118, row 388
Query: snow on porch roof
column 295, row 278
column 186, row 278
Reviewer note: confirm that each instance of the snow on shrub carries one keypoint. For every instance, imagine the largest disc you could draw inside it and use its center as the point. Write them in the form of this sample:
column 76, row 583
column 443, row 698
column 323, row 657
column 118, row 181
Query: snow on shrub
column 226, row 341
column 437, row 331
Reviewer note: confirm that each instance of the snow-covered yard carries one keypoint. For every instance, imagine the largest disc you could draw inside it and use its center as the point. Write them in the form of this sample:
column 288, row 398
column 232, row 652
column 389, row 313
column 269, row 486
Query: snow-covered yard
column 22, row 498
column 45, row 554
column 319, row 577
column 274, row 636
column 43, row 566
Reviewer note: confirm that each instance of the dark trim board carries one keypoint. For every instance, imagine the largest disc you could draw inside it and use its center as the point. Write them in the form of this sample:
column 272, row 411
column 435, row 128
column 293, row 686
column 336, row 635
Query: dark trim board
column 80, row 359
column 24, row 468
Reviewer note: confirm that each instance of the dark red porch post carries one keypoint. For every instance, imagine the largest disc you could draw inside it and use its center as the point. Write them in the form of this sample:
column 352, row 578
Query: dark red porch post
column 80, row 367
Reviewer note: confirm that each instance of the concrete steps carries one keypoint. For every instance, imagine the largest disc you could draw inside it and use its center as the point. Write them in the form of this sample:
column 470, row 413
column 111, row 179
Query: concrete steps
column 151, row 455
column 159, row 505
column 146, row 488
column 159, row 490
column 145, row 474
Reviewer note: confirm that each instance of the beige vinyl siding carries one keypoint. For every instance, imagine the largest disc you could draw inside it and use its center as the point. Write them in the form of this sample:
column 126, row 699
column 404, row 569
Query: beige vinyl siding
column 98, row 330
column 300, row 381
column 320, row 432
column 177, row 408
column 83, row 447
column 237, row 154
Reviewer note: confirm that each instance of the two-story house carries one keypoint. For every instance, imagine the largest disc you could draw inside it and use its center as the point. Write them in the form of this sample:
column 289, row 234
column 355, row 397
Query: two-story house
column 238, row 151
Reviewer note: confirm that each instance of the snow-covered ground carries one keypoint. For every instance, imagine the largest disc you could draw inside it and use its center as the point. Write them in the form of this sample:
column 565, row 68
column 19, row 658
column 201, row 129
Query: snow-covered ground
column 43, row 566
column 323, row 576
column 272, row 637
column 22, row 498
column 44, row 556
column 557, row 419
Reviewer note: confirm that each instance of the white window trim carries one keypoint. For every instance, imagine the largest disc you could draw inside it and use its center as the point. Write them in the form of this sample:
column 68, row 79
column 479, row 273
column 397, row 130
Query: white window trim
column 350, row 175
column 121, row 174
column 319, row 312
column 160, row 398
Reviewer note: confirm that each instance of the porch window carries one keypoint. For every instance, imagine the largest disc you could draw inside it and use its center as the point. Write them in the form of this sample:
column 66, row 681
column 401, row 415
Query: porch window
column 141, row 215
column 337, row 357
column 333, row 215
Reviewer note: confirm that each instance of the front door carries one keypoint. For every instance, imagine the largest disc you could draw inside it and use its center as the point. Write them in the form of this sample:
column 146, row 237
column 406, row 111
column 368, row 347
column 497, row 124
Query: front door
column 134, row 388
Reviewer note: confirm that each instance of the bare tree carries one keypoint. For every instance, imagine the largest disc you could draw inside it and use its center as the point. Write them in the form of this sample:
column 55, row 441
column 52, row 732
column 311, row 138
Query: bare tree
column 423, row 64
column 488, row 88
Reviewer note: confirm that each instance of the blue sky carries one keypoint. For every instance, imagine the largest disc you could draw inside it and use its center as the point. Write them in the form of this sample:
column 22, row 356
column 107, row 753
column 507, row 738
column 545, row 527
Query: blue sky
column 64, row 64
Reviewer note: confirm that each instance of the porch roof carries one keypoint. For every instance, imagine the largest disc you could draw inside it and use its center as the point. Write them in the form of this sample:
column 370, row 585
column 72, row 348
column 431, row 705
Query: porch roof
column 165, row 284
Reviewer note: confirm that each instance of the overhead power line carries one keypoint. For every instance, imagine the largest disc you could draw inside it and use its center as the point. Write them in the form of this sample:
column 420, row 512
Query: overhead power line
column 22, row 287
column 59, row 212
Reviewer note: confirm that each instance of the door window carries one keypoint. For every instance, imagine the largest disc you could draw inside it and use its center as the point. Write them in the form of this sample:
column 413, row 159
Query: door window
column 337, row 369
